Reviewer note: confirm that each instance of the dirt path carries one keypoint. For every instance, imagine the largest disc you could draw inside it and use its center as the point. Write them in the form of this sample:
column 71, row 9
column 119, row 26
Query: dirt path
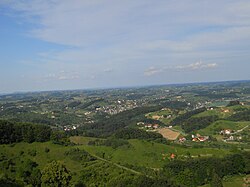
column 240, row 130
column 118, row 165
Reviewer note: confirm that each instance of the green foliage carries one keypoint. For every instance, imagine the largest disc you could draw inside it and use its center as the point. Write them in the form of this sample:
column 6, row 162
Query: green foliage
column 117, row 122
column 46, row 149
column 233, row 103
column 5, row 181
column 101, row 173
column 30, row 173
column 15, row 132
column 195, row 172
column 59, row 137
column 79, row 155
column 131, row 133
column 240, row 116
column 110, row 142
column 216, row 180
column 193, row 124
column 32, row 152
column 55, row 175
column 182, row 118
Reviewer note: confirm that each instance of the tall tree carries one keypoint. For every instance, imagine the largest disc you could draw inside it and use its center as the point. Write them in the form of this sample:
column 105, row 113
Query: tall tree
column 56, row 175
column 216, row 180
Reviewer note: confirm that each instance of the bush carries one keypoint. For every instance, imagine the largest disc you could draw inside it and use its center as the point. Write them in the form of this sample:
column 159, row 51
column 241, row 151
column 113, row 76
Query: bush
column 32, row 152
column 46, row 150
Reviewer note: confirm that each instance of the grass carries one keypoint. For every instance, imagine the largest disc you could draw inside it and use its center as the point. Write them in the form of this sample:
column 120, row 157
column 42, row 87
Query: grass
column 140, row 153
column 148, row 154
column 220, row 112
column 233, row 181
column 223, row 112
column 79, row 140
column 165, row 113
column 222, row 124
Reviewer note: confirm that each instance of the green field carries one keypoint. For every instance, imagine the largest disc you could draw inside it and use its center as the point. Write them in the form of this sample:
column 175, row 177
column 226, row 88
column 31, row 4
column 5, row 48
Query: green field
column 223, row 112
column 57, row 152
column 217, row 126
column 165, row 113
column 147, row 154
column 216, row 112
column 141, row 153
column 233, row 181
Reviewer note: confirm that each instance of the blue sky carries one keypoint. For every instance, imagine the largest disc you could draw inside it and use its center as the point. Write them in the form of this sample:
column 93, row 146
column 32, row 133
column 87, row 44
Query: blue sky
column 79, row 44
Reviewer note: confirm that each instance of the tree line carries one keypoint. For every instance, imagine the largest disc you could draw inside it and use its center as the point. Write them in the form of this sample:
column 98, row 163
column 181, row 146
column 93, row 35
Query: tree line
column 28, row 132
column 200, row 171
column 182, row 118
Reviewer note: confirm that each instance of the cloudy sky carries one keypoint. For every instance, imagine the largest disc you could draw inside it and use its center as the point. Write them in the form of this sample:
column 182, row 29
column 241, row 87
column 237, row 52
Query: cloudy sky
column 79, row 44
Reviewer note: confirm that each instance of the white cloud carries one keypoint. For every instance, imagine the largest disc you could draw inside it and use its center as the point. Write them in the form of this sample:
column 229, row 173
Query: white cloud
column 130, row 36
column 62, row 75
column 152, row 71
column 108, row 70
column 196, row 66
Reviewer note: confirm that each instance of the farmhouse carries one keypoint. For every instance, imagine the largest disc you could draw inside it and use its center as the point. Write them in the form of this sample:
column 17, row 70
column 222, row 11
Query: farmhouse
column 172, row 156
column 156, row 126
column 226, row 132
column 200, row 138
column 182, row 139
column 148, row 126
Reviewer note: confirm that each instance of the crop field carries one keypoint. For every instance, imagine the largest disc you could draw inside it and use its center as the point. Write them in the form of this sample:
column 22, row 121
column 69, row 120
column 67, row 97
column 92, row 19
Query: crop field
column 168, row 133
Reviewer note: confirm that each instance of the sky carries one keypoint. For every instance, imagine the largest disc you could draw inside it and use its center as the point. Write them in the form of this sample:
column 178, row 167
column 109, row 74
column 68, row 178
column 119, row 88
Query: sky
column 82, row 44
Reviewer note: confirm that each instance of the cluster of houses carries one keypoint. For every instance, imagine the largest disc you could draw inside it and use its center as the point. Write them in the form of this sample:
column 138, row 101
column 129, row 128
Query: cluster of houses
column 69, row 128
column 182, row 139
column 199, row 138
column 120, row 106
column 148, row 125
column 226, row 132
column 229, row 135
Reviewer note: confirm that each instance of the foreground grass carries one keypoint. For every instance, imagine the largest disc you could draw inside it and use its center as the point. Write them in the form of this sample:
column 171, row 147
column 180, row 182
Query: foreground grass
column 147, row 154
column 140, row 153
column 233, row 181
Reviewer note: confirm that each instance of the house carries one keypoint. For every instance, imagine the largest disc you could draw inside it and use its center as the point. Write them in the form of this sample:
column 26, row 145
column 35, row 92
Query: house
column 172, row 156
column 155, row 126
column 148, row 126
column 195, row 139
column 226, row 132
column 201, row 139
column 182, row 139
column 198, row 135
column 140, row 123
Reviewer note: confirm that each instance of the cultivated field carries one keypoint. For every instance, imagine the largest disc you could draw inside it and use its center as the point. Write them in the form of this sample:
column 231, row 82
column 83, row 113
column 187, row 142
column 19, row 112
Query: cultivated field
column 168, row 133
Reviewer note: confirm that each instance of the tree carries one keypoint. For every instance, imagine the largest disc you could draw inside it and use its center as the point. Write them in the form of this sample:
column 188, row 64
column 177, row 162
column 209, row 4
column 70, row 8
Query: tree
column 216, row 180
column 55, row 174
